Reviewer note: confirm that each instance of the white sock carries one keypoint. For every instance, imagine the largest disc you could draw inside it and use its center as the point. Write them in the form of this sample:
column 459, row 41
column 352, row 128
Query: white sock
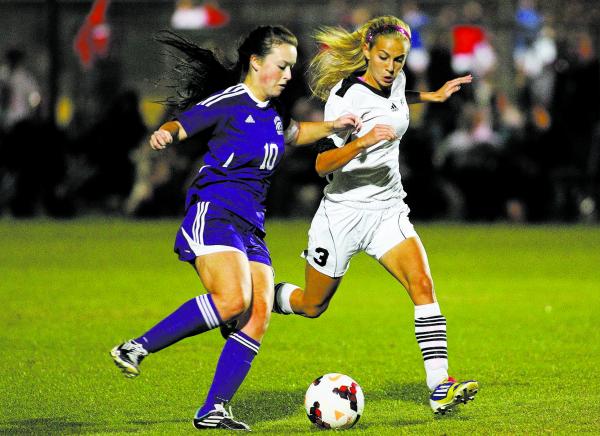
column 430, row 331
column 282, row 295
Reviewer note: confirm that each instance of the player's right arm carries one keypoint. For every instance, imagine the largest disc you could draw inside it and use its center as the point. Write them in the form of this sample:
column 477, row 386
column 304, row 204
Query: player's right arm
column 330, row 160
column 335, row 151
column 166, row 134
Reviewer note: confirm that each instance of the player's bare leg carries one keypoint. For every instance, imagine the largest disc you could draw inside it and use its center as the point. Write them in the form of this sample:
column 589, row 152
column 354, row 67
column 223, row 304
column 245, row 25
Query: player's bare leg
column 407, row 262
column 243, row 342
column 231, row 297
column 255, row 321
column 225, row 300
column 311, row 301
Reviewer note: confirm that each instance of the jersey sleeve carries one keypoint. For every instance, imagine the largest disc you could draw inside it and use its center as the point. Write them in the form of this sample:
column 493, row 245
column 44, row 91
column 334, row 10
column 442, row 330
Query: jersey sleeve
column 283, row 113
column 290, row 126
column 201, row 117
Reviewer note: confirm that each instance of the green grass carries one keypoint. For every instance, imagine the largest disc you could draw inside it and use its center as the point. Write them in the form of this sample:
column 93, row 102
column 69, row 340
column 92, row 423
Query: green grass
column 521, row 302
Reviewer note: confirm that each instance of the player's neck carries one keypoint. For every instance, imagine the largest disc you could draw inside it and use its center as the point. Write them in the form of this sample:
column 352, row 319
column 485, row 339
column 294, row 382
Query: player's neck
column 370, row 80
column 257, row 92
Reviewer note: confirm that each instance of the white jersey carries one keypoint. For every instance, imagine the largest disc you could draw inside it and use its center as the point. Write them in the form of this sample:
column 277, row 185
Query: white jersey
column 371, row 180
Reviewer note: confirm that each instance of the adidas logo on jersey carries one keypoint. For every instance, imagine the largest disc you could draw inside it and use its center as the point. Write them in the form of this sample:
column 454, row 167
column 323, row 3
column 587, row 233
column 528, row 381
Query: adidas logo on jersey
column 249, row 119
column 394, row 108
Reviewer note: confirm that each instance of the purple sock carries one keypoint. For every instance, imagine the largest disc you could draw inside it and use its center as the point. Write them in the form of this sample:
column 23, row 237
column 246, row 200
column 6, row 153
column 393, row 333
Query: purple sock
column 233, row 366
column 193, row 317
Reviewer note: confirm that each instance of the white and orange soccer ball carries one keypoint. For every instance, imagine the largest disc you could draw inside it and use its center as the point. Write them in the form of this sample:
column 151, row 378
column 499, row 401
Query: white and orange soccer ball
column 334, row 401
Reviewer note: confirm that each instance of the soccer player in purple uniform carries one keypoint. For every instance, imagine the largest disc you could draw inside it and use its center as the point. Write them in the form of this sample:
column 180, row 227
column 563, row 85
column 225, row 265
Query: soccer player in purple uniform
column 222, row 233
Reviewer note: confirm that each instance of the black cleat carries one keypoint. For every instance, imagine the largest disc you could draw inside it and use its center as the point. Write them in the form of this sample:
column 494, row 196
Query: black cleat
column 128, row 356
column 219, row 418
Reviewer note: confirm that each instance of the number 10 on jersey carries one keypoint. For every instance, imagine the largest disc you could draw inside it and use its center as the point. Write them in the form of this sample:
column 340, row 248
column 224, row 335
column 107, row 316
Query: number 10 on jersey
column 271, row 151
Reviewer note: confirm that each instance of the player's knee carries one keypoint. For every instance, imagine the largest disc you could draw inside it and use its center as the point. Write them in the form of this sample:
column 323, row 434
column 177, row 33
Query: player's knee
column 236, row 302
column 261, row 324
column 258, row 323
column 422, row 285
column 315, row 310
column 241, row 303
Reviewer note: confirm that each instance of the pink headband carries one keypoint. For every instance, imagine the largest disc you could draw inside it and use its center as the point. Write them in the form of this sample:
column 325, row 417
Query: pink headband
column 378, row 30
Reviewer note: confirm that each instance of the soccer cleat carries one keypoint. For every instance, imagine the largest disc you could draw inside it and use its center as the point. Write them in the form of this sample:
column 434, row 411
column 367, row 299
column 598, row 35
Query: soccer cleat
column 450, row 393
column 219, row 418
column 128, row 356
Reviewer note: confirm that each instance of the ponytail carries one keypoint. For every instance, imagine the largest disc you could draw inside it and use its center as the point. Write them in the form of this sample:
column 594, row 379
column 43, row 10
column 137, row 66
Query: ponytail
column 197, row 73
column 341, row 52
column 200, row 73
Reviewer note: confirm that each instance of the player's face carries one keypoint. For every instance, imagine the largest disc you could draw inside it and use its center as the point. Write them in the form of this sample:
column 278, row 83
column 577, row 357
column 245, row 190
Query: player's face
column 386, row 59
column 275, row 69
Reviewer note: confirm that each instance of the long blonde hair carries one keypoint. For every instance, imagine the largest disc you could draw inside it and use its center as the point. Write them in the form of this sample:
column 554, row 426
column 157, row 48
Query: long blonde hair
column 342, row 54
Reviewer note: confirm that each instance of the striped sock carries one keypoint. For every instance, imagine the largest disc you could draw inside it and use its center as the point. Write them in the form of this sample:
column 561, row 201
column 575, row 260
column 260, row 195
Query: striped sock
column 234, row 364
column 193, row 317
column 430, row 331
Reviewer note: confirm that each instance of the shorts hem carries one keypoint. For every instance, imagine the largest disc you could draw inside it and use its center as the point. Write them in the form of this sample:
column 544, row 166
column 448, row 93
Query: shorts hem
column 203, row 250
column 399, row 241
column 263, row 260
column 323, row 270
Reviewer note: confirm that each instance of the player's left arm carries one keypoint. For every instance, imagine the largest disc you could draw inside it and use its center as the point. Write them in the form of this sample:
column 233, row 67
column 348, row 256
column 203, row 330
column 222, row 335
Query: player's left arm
column 309, row 132
column 439, row 96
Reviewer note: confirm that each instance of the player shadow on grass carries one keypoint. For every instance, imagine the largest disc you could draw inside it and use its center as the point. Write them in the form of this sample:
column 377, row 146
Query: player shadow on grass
column 55, row 425
column 58, row 425
column 277, row 405
column 62, row 425
column 413, row 392
column 269, row 405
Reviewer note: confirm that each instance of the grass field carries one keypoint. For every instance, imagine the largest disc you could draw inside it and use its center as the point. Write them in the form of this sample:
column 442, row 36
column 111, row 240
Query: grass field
column 522, row 305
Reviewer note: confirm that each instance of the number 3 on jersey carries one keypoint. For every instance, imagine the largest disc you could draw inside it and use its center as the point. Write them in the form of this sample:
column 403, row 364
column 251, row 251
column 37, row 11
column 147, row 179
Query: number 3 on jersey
column 268, row 162
column 321, row 259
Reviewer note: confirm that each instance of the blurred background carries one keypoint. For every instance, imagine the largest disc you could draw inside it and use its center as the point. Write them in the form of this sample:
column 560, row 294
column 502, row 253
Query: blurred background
column 81, row 82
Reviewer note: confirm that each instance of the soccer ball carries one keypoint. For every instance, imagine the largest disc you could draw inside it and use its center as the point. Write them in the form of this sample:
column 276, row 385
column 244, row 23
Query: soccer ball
column 334, row 401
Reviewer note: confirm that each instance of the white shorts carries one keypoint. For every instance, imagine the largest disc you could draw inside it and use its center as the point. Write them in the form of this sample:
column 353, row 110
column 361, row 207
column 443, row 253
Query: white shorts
column 338, row 232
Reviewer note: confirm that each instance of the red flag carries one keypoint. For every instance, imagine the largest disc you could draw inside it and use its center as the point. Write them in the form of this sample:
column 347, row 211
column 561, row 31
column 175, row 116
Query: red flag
column 94, row 34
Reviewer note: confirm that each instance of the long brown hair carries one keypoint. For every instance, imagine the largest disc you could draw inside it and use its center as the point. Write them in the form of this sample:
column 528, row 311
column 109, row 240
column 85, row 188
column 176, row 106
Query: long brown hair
column 199, row 72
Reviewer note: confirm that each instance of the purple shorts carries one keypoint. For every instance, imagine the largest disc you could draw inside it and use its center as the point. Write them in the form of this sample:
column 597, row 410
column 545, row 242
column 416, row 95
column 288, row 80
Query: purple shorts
column 209, row 228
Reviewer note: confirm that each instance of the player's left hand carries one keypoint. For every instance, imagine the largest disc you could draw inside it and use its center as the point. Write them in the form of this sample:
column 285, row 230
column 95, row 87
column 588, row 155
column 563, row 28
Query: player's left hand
column 449, row 88
column 347, row 121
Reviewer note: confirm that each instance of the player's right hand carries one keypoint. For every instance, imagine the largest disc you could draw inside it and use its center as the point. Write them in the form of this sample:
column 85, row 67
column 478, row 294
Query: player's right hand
column 381, row 132
column 160, row 139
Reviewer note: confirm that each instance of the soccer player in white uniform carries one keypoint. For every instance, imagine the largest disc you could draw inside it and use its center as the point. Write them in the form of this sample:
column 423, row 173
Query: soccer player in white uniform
column 363, row 207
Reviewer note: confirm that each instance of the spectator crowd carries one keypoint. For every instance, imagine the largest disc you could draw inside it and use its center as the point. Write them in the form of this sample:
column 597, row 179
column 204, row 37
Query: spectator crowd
column 527, row 152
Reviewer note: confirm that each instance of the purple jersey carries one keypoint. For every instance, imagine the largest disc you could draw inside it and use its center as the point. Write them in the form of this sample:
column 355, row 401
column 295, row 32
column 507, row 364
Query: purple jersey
column 245, row 147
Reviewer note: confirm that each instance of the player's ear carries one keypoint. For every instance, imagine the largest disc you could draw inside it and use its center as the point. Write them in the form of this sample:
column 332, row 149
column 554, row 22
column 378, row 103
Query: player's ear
column 255, row 62
column 365, row 51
